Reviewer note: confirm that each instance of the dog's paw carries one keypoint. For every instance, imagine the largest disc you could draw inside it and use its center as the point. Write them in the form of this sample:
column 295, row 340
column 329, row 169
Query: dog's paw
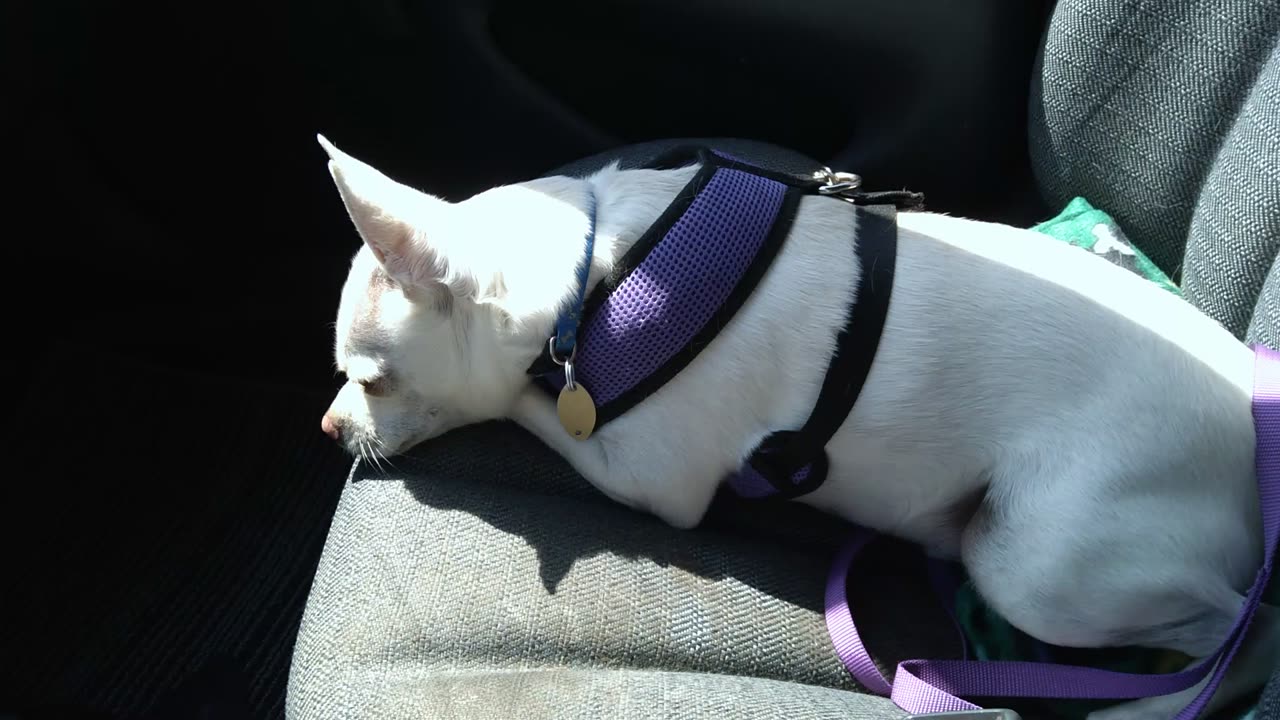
column 681, row 516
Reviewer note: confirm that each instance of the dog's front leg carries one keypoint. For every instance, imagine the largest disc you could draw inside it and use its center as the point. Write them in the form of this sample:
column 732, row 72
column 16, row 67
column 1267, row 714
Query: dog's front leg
column 536, row 413
column 664, row 491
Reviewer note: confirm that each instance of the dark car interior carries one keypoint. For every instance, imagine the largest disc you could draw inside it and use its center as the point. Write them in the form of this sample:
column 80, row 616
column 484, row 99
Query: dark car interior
column 177, row 249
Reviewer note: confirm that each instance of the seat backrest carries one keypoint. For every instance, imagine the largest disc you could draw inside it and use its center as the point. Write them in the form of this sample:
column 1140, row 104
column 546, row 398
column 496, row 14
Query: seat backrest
column 1167, row 116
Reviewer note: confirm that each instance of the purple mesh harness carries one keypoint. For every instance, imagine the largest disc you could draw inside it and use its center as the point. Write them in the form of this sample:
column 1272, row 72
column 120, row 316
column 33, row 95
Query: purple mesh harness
column 691, row 271
column 683, row 281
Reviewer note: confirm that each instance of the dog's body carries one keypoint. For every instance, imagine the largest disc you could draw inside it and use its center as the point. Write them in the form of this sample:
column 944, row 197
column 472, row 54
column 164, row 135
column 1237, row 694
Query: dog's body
column 1080, row 438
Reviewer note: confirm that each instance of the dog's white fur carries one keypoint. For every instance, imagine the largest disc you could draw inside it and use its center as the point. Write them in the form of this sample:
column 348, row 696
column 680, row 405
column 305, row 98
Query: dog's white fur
column 1081, row 439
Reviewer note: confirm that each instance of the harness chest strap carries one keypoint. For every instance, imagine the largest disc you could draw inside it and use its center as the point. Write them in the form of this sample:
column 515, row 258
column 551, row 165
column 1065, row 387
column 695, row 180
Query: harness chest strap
column 791, row 463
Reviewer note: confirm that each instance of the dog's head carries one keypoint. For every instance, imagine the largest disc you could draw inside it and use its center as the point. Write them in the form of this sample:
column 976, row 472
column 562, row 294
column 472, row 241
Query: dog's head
column 445, row 304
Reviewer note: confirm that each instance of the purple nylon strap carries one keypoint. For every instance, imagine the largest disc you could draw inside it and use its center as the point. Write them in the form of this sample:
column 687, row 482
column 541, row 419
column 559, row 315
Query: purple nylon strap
column 932, row 686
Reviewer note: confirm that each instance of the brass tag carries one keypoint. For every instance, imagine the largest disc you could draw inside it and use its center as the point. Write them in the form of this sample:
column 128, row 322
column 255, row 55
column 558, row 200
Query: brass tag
column 577, row 412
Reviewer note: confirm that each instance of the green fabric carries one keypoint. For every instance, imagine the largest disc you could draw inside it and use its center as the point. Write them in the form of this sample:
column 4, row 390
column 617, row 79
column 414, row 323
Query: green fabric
column 1085, row 226
column 988, row 635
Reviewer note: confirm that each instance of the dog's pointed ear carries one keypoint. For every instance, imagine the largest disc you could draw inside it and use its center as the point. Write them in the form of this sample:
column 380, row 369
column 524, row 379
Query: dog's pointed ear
column 390, row 217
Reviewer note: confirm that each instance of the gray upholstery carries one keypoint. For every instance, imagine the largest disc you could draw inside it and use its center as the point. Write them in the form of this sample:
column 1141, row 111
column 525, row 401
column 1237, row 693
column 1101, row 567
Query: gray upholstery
column 482, row 578
column 576, row 693
column 453, row 576
column 1167, row 116
column 1269, row 703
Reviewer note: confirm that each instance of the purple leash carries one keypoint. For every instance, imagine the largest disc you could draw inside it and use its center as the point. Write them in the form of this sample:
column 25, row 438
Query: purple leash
column 923, row 687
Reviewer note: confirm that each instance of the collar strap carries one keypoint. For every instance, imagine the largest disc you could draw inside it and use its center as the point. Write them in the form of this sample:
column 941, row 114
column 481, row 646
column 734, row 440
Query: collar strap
column 564, row 344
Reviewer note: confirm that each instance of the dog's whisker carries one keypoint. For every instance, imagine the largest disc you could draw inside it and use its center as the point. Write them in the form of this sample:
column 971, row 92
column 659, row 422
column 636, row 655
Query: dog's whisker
column 371, row 453
column 364, row 453
column 381, row 454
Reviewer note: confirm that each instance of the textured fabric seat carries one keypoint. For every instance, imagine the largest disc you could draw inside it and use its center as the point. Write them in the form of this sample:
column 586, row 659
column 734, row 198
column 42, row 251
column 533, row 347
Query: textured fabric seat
column 481, row 577
column 1168, row 118
column 452, row 578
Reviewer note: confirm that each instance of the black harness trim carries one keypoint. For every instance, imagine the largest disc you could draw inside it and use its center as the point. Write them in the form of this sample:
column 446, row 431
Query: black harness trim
column 784, row 453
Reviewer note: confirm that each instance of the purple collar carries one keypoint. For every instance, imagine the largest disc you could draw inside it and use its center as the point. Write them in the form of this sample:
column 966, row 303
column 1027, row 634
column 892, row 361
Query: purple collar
column 691, row 271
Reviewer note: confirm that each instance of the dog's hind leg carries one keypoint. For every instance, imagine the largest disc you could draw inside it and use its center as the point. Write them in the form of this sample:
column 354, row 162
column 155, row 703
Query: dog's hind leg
column 1080, row 551
column 1073, row 597
column 1258, row 657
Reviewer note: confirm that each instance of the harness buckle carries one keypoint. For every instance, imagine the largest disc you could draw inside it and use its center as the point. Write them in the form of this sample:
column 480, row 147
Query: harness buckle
column 991, row 714
column 837, row 183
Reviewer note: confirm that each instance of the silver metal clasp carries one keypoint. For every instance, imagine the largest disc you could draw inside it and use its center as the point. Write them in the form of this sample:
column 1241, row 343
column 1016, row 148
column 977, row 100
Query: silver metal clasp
column 992, row 714
column 837, row 183
column 567, row 363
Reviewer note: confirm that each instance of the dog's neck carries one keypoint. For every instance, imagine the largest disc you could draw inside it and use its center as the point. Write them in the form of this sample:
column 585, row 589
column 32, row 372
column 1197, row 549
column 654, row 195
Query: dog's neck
column 627, row 203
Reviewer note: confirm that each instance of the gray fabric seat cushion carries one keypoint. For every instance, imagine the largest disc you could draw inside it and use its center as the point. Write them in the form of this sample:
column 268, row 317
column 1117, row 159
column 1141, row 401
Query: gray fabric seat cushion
column 1167, row 116
column 455, row 586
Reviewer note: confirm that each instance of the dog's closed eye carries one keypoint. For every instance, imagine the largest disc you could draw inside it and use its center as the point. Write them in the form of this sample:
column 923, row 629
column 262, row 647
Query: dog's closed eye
column 376, row 386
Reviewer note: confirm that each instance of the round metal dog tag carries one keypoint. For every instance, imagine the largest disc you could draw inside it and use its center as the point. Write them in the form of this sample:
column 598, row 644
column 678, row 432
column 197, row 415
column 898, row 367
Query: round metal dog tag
column 577, row 411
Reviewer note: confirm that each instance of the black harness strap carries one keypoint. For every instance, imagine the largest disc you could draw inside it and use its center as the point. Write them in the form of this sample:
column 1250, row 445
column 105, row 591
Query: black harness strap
column 784, row 454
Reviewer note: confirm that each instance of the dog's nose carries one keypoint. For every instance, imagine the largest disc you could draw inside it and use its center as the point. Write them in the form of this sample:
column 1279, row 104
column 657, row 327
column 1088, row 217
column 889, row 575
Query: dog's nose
column 331, row 428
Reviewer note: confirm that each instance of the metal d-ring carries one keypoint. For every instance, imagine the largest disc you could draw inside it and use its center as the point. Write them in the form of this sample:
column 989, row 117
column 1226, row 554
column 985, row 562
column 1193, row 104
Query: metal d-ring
column 567, row 363
column 837, row 183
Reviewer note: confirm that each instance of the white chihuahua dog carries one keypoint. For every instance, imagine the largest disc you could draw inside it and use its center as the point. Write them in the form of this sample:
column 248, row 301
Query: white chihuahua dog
column 1081, row 439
